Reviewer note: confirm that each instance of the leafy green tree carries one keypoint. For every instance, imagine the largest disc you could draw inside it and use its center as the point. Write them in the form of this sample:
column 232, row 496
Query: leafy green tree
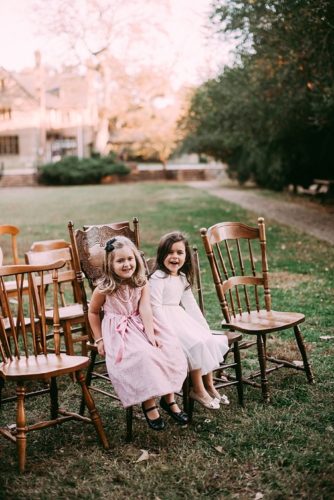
column 271, row 116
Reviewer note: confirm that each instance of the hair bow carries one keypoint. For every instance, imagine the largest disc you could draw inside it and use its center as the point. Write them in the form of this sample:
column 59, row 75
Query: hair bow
column 110, row 245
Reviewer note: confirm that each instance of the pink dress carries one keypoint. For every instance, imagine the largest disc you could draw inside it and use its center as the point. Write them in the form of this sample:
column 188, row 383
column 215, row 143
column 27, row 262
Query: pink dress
column 138, row 370
column 176, row 311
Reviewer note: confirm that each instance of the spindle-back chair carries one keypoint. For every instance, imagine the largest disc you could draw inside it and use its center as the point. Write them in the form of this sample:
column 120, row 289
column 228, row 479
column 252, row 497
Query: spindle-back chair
column 71, row 313
column 12, row 257
column 233, row 339
column 88, row 255
column 24, row 355
column 12, row 232
column 238, row 260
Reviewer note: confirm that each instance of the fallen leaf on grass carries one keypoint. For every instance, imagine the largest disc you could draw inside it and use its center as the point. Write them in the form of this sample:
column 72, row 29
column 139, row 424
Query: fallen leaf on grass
column 220, row 449
column 326, row 337
column 143, row 456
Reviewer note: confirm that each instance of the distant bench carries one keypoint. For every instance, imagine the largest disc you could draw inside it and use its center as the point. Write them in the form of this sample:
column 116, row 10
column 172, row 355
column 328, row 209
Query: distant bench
column 320, row 187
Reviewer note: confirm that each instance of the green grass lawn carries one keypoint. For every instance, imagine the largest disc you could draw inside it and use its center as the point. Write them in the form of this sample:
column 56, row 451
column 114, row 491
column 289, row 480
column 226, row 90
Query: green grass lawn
column 283, row 450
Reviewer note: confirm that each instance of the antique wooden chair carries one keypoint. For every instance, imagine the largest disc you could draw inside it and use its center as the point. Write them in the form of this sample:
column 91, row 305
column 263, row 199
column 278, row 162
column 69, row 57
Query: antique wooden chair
column 22, row 362
column 243, row 289
column 71, row 314
column 11, row 257
column 88, row 255
column 233, row 342
column 12, row 232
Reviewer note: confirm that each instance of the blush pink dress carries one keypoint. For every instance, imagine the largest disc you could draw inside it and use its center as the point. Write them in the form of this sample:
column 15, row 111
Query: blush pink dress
column 137, row 369
column 176, row 311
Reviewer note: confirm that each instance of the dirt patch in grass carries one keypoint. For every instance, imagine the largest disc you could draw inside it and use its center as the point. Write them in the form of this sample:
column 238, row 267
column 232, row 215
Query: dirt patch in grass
column 286, row 280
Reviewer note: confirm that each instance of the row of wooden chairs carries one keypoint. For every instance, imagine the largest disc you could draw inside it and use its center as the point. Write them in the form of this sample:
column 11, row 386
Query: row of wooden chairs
column 233, row 258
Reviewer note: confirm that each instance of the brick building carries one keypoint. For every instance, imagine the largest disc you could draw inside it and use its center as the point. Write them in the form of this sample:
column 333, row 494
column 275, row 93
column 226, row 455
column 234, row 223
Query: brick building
column 45, row 115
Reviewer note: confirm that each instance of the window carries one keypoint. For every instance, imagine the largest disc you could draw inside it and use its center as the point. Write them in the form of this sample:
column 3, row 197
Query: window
column 9, row 145
column 5, row 114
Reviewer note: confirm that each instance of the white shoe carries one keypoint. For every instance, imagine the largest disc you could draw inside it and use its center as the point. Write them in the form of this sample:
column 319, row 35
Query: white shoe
column 210, row 404
column 222, row 399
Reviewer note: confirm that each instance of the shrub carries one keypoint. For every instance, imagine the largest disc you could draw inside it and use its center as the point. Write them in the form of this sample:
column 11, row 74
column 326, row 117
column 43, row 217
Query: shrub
column 72, row 170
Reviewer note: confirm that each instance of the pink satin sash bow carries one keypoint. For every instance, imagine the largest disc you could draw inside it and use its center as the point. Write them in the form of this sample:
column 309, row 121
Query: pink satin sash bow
column 122, row 328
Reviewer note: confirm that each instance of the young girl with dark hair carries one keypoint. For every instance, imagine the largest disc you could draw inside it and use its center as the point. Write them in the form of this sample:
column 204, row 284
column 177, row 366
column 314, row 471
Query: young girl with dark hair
column 176, row 312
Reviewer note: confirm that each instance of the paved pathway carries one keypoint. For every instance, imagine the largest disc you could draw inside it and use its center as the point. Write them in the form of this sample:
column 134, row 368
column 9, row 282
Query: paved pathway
column 314, row 221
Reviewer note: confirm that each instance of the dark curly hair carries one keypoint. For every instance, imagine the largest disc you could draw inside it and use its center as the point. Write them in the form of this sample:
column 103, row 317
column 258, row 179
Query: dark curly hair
column 165, row 244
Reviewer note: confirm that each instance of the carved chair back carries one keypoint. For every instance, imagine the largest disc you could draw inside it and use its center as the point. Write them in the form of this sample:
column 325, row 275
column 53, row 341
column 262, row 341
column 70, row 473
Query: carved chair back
column 238, row 261
column 12, row 232
column 22, row 342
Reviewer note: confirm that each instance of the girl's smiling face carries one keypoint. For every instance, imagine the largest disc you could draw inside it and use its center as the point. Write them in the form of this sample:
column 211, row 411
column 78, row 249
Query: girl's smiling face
column 175, row 258
column 124, row 262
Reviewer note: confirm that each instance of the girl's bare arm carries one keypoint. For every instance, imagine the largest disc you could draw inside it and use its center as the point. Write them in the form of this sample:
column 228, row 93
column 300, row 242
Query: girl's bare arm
column 94, row 317
column 146, row 315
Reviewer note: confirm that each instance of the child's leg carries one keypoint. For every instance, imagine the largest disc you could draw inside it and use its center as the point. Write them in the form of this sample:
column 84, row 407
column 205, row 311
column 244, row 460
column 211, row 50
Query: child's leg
column 197, row 384
column 209, row 385
column 153, row 414
column 169, row 398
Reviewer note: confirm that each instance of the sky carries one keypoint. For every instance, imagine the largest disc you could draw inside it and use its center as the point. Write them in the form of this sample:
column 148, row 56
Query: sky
column 195, row 56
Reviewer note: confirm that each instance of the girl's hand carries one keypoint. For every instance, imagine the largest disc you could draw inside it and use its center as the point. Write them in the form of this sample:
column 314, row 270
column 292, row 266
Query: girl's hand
column 100, row 348
column 155, row 341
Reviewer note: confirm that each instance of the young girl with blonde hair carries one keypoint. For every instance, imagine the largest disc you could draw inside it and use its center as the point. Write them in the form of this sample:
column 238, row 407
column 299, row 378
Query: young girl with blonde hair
column 142, row 363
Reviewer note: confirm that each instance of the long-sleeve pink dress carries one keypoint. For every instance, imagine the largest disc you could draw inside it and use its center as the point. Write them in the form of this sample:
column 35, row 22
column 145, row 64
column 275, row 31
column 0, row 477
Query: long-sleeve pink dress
column 137, row 369
column 176, row 311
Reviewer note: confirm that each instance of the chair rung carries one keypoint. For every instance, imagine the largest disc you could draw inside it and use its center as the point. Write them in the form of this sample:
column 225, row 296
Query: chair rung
column 8, row 435
column 225, row 384
column 27, row 395
column 286, row 363
column 246, row 345
column 226, row 365
column 96, row 389
column 100, row 375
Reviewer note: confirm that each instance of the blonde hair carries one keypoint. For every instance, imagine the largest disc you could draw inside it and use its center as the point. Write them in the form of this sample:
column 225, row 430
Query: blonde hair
column 110, row 282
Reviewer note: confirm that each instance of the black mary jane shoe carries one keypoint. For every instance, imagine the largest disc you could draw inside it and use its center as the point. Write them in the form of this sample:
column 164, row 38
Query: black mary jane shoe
column 157, row 424
column 180, row 417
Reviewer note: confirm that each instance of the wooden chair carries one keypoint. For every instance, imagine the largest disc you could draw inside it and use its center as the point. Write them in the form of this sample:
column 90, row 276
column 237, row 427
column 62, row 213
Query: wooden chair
column 88, row 255
column 242, row 290
column 12, row 232
column 21, row 361
column 11, row 257
column 233, row 339
column 71, row 314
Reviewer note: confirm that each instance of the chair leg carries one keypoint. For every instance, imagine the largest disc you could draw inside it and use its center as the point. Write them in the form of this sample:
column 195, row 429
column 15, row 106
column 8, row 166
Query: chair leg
column 68, row 338
column 238, row 373
column 129, row 419
column 301, row 345
column 94, row 415
column 188, row 403
column 262, row 361
column 185, row 393
column 89, row 373
column 54, row 398
column 21, row 433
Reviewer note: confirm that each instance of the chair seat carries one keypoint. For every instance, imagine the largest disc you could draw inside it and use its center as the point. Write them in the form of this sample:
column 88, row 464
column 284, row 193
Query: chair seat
column 264, row 321
column 231, row 336
column 11, row 286
column 66, row 312
column 27, row 322
column 42, row 366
